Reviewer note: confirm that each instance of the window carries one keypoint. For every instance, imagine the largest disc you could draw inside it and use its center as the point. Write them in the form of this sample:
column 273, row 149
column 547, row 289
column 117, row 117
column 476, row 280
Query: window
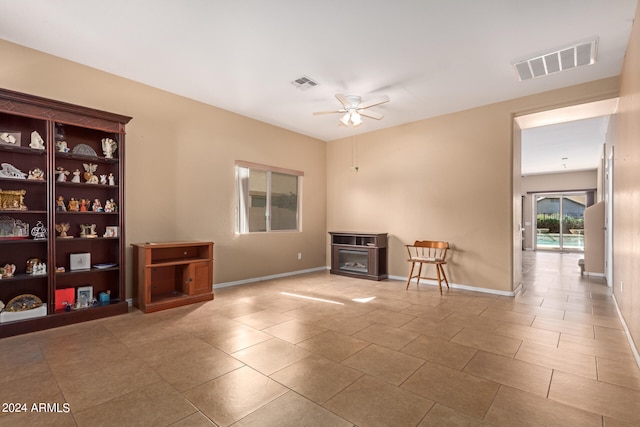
column 267, row 198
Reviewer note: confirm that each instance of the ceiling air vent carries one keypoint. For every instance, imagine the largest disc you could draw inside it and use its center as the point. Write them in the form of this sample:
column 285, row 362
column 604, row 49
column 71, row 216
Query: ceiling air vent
column 580, row 54
column 304, row 83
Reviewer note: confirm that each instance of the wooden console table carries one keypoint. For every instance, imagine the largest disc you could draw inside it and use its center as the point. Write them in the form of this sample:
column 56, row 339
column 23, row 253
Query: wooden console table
column 171, row 274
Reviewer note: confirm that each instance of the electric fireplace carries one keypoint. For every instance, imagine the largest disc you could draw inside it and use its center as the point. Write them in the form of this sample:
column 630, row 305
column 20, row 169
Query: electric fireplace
column 361, row 255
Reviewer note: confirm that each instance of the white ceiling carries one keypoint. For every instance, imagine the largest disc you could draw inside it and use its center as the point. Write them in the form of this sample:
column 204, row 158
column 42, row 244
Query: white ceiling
column 429, row 57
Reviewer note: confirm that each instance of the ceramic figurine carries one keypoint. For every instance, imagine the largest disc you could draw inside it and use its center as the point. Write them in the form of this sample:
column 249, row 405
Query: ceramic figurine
column 103, row 179
column 8, row 138
column 83, row 205
column 73, row 205
column 112, row 179
column 108, row 147
column 88, row 231
column 36, row 141
column 62, row 228
column 97, row 206
column 60, row 207
column 76, row 176
column 62, row 147
column 39, row 268
column 9, row 270
column 10, row 171
column 110, row 206
column 36, row 174
column 89, row 176
column 62, row 174
column 30, row 263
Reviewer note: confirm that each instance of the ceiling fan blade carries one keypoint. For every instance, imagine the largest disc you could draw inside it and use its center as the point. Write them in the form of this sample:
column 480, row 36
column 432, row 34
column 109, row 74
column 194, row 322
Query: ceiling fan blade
column 329, row 112
column 376, row 101
column 371, row 114
column 343, row 100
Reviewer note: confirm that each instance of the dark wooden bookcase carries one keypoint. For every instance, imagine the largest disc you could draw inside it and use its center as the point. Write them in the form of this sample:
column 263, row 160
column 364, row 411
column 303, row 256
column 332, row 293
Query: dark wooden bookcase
column 362, row 255
column 22, row 114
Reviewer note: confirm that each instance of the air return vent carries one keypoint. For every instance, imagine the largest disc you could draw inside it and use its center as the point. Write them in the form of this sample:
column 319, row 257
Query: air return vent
column 304, row 83
column 580, row 54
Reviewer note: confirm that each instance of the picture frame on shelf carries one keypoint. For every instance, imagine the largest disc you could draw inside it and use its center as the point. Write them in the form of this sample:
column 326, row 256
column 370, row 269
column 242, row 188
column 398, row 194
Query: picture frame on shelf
column 84, row 297
column 80, row 261
column 111, row 231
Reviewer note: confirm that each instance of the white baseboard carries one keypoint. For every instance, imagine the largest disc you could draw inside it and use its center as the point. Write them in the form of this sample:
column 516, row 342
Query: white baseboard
column 273, row 276
column 632, row 344
column 464, row 287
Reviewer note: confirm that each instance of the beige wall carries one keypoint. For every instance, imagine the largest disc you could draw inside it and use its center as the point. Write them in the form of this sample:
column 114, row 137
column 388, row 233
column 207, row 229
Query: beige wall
column 445, row 178
column 180, row 157
column 450, row 177
column 553, row 182
column 626, row 181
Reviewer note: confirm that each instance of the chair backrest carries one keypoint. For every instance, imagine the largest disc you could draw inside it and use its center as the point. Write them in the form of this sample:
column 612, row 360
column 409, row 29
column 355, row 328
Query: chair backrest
column 429, row 249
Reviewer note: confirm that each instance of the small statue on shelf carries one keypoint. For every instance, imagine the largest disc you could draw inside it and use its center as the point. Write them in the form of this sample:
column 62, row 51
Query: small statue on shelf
column 30, row 263
column 62, row 174
column 110, row 206
column 108, row 147
column 62, row 147
column 8, row 138
column 103, row 179
column 36, row 141
column 83, row 205
column 76, row 176
column 112, row 179
column 9, row 270
column 60, row 207
column 89, row 176
column 73, row 205
column 39, row 232
column 10, row 171
column 62, row 228
column 88, row 231
column 36, row 174
column 39, row 269
column 97, row 206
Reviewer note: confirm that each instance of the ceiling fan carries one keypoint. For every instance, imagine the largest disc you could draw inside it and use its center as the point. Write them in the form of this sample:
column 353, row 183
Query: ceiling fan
column 354, row 108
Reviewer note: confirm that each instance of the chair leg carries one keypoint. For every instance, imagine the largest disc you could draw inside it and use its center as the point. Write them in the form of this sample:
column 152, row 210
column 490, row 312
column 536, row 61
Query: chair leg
column 413, row 264
column 444, row 275
column 419, row 274
column 439, row 278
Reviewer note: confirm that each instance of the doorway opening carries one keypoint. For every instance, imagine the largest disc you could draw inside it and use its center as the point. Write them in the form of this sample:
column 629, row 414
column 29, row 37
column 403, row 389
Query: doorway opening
column 559, row 221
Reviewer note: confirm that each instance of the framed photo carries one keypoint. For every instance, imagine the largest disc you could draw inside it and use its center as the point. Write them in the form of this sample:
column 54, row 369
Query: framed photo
column 85, row 296
column 8, row 137
column 80, row 261
column 111, row 231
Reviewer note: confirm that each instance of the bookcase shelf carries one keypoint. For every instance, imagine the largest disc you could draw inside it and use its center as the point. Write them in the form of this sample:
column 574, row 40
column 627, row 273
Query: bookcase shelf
column 24, row 115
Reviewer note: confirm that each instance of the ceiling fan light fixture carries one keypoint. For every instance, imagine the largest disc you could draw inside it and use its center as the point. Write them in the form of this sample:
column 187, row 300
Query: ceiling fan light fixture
column 356, row 119
column 353, row 109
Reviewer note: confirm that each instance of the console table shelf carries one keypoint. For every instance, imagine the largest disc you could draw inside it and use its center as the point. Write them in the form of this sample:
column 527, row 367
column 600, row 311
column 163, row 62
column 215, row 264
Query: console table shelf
column 172, row 274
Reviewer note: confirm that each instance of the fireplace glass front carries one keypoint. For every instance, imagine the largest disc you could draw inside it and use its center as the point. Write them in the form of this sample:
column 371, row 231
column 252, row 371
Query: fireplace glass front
column 353, row 260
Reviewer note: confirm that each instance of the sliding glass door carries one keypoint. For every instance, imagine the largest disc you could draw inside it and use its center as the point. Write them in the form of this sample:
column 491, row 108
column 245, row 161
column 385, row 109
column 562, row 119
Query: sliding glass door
column 560, row 221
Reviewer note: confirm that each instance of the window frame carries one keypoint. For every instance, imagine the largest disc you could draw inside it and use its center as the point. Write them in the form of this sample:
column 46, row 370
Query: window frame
column 241, row 207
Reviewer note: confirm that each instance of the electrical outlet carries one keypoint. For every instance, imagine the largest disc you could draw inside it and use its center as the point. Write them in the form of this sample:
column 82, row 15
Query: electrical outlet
column 299, row 255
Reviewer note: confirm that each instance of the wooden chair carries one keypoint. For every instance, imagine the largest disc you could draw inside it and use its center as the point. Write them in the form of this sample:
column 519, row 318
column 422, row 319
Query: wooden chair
column 428, row 252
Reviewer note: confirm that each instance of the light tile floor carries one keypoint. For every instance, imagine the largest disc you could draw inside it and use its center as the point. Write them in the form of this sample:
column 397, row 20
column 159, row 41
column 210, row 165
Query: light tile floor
column 554, row 355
